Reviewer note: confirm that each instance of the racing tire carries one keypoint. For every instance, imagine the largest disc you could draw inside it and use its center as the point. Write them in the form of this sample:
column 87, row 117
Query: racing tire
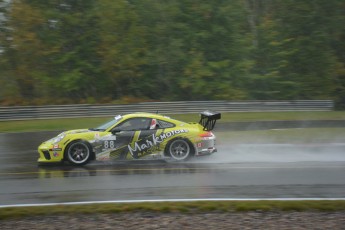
column 179, row 149
column 78, row 153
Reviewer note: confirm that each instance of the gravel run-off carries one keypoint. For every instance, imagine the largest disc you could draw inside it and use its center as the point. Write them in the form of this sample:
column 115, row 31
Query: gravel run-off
column 144, row 220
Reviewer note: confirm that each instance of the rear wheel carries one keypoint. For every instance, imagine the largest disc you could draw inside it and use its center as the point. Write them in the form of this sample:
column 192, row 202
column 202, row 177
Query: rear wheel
column 179, row 149
column 78, row 153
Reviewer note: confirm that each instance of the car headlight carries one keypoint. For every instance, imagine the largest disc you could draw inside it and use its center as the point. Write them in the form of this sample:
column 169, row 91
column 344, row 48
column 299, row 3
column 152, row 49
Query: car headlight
column 59, row 137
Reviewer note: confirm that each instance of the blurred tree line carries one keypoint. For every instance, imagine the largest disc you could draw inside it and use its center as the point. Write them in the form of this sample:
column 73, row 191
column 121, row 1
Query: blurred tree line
column 86, row 51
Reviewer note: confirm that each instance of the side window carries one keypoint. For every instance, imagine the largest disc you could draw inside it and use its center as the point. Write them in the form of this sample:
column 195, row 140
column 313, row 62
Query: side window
column 133, row 124
column 164, row 124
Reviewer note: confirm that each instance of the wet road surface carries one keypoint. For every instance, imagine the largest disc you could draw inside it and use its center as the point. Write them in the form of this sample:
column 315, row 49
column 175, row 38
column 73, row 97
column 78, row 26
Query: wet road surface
column 236, row 171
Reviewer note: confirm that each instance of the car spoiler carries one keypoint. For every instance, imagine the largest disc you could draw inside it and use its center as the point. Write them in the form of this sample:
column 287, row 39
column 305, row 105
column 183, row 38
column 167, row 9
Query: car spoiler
column 208, row 119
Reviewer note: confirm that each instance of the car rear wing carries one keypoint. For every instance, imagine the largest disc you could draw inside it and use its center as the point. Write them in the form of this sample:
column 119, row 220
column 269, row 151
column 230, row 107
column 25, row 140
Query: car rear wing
column 208, row 119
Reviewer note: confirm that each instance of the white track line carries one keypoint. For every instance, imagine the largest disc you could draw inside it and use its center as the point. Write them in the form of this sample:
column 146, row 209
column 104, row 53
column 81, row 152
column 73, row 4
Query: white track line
column 167, row 200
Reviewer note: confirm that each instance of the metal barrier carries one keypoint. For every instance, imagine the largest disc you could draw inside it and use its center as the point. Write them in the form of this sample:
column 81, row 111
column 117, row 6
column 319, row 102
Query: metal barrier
column 177, row 107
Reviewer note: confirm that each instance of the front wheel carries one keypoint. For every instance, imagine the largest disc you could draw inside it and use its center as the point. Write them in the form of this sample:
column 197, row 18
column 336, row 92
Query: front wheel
column 179, row 149
column 78, row 153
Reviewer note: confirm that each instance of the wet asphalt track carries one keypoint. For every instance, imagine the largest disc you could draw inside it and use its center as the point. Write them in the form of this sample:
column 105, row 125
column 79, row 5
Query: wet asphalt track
column 236, row 171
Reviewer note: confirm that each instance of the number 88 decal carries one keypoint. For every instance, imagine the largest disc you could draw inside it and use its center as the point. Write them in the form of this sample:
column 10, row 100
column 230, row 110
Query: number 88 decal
column 109, row 144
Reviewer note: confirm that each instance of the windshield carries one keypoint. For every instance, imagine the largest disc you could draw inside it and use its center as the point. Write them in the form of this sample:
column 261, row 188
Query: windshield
column 108, row 124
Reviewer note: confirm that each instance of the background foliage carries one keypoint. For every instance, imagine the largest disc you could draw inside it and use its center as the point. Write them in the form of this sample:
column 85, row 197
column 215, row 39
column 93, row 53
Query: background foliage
column 85, row 51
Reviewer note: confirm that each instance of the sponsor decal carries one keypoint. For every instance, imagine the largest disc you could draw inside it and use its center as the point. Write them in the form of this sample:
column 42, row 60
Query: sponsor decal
column 109, row 138
column 103, row 156
column 97, row 135
column 55, row 154
column 118, row 117
column 109, row 142
column 57, row 149
column 152, row 141
column 109, row 145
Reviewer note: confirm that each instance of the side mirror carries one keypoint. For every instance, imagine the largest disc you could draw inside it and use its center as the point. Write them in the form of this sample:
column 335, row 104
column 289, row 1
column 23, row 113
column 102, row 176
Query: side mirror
column 116, row 130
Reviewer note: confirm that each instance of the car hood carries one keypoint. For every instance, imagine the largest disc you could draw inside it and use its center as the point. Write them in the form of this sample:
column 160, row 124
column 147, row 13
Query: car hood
column 68, row 133
column 76, row 131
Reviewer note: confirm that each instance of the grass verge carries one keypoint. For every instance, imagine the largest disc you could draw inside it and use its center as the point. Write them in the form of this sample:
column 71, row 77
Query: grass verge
column 179, row 207
column 281, row 136
column 74, row 123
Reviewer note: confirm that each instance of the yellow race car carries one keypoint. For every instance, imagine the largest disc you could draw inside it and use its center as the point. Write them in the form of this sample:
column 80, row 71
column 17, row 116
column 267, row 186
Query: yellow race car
column 133, row 136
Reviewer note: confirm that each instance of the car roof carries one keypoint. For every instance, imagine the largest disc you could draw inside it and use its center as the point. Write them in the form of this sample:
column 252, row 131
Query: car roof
column 150, row 115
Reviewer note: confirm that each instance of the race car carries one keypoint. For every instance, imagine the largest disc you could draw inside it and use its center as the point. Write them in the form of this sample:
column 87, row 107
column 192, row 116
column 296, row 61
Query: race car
column 132, row 137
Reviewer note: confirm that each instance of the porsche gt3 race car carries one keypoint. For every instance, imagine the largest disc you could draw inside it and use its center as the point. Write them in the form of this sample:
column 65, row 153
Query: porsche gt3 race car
column 134, row 136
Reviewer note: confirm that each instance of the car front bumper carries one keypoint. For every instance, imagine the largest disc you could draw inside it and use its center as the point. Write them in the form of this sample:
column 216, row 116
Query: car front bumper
column 49, row 153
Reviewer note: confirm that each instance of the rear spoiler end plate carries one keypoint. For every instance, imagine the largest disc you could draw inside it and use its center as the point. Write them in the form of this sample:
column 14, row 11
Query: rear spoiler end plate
column 208, row 119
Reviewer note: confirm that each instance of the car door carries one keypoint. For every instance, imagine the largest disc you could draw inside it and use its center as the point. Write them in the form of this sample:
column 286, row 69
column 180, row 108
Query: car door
column 129, row 136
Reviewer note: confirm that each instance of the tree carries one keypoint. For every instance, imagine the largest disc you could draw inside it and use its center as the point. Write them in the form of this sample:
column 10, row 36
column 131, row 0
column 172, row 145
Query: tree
column 72, row 51
column 295, row 48
column 122, row 47
column 22, row 47
column 73, row 63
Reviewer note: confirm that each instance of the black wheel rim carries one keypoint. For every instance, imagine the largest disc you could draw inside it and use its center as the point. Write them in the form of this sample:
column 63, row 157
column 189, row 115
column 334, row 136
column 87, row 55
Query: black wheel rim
column 179, row 149
column 78, row 153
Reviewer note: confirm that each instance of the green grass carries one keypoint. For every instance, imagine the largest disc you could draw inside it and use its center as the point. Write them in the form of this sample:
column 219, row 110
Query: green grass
column 74, row 123
column 269, row 116
column 179, row 207
column 294, row 136
column 50, row 124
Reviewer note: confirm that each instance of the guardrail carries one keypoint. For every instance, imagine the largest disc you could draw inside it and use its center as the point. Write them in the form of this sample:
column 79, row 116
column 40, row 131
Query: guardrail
column 88, row 110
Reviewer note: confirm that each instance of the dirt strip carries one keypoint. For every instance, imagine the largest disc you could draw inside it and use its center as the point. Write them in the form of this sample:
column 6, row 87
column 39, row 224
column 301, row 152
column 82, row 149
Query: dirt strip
column 178, row 221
